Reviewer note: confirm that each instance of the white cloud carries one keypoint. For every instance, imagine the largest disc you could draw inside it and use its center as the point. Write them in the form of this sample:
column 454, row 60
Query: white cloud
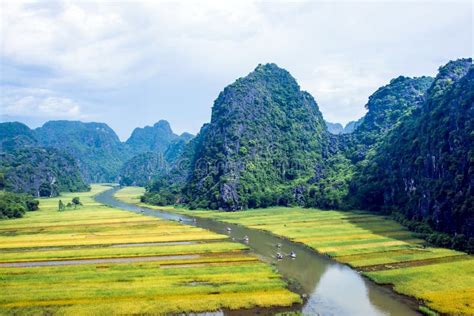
column 339, row 86
column 39, row 103
column 340, row 52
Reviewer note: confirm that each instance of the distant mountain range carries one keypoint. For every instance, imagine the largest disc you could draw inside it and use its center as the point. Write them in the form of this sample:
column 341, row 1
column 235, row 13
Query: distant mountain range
column 337, row 128
column 92, row 149
column 267, row 144
column 28, row 167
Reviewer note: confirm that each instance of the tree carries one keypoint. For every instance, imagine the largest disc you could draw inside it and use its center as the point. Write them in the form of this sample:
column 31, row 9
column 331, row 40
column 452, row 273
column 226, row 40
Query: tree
column 61, row 206
column 75, row 201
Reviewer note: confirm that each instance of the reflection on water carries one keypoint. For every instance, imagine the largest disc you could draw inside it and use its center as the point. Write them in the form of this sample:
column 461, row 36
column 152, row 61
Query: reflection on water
column 337, row 279
column 331, row 288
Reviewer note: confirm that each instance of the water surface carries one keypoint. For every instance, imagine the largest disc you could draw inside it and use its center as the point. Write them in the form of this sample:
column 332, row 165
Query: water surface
column 331, row 288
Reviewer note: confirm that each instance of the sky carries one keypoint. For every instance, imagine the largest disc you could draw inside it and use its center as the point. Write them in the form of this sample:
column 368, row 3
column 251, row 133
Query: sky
column 130, row 64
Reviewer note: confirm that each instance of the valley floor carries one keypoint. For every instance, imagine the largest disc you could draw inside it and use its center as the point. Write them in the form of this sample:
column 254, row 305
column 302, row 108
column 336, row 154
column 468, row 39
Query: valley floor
column 379, row 247
column 100, row 260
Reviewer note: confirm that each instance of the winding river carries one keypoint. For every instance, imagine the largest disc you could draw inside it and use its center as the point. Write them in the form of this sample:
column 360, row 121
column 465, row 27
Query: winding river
column 331, row 288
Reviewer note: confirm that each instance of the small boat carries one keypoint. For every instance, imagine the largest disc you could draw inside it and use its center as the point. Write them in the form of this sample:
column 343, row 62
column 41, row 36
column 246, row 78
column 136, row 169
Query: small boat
column 229, row 229
column 180, row 220
column 279, row 256
column 292, row 255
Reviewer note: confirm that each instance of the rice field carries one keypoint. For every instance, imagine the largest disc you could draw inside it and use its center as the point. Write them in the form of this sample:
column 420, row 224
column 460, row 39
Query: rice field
column 95, row 260
column 379, row 247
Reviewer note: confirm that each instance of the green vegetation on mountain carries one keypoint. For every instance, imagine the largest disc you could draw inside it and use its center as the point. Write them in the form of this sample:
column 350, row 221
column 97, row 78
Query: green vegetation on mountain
column 14, row 135
column 95, row 146
column 387, row 107
column 267, row 144
column 96, row 149
column 176, row 148
column 424, row 167
column 142, row 168
column 154, row 138
column 263, row 141
column 40, row 172
column 25, row 167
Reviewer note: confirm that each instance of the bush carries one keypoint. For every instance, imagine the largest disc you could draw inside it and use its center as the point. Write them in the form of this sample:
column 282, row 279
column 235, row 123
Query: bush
column 13, row 205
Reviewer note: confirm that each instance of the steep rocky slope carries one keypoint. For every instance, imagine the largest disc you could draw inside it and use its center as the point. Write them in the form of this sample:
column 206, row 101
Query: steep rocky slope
column 424, row 168
column 262, row 145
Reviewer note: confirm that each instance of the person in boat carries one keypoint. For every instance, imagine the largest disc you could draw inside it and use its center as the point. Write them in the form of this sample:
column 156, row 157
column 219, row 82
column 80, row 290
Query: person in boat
column 278, row 245
column 279, row 256
column 292, row 254
column 229, row 229
column 246, row 238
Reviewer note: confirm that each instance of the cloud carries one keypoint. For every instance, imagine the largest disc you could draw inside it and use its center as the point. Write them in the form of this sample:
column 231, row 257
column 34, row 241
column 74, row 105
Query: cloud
column 39, row 103
column 80, row 42
column 339, row 85
column 151, row 53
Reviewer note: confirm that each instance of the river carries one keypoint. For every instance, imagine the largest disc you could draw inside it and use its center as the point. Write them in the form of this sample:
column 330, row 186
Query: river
column 330, row 288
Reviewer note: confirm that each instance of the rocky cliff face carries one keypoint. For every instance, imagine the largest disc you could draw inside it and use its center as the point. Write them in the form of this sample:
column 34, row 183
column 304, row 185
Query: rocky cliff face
column 265, row 136
column 387, row 107
column 424, row 167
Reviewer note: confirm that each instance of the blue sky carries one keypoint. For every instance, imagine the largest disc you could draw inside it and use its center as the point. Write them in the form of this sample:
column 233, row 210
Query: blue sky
column 131, row 64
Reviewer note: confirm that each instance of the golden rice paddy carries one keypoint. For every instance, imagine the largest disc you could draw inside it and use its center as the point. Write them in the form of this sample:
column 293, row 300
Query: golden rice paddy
column 163, row 267
column 382, row 249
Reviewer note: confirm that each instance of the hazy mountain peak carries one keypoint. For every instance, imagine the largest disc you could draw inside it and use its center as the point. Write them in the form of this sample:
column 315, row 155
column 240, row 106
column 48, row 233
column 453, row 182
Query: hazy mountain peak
column 151, row 138
column 163, row 124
